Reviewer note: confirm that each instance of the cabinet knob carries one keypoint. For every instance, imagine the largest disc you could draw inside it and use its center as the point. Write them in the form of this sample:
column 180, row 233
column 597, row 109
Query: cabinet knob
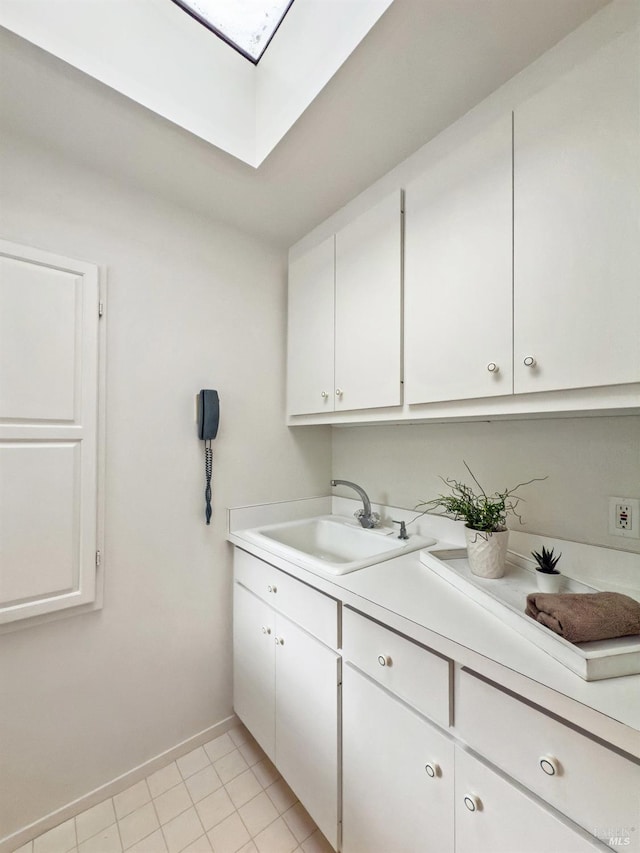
column 272, row 588
column 432, row 770
column 550, row 765
column 384, row 660
column 338, row 392
column 473, row 803
column 529, row 361
column 492, row 367
column 324, row 395
column 279, row 641
column 266, row 630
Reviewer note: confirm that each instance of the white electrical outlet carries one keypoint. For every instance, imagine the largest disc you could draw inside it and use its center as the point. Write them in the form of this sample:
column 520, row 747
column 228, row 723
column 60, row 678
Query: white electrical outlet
column 624, row 517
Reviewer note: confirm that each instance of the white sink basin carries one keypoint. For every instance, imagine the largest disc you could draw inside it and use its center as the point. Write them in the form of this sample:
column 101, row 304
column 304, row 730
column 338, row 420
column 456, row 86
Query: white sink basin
column 332, row 544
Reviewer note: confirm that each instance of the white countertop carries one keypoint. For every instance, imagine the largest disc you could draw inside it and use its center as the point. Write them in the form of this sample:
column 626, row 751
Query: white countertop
column 406, row 595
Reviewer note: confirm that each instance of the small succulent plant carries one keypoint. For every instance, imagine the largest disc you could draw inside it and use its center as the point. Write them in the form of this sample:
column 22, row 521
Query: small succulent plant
column 546, row 561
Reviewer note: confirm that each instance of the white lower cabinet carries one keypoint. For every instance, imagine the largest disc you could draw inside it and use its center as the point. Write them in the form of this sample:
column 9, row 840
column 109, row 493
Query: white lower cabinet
column 286, row 688
column 397, row 782
column 493, row 816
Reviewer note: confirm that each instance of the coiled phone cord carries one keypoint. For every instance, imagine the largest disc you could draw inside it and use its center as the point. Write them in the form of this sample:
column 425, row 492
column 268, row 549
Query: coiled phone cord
column 208, row 467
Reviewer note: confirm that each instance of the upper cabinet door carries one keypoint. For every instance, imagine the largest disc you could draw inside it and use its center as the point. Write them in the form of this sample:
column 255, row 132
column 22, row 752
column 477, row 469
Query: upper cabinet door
column 458, row 272
column 577, row 237
column 368, row 308
column 310, row 331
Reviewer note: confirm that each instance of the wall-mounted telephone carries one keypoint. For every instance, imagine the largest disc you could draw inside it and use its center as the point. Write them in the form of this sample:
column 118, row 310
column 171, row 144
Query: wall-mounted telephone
column 208, row 422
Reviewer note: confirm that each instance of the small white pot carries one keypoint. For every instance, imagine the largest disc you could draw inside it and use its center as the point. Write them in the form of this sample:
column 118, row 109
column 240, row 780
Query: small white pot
column 549, row 582
column 487, row 552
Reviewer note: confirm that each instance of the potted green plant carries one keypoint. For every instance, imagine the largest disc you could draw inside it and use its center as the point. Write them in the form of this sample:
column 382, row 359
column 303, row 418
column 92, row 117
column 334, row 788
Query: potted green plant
column 485, row 518
column 549, row 578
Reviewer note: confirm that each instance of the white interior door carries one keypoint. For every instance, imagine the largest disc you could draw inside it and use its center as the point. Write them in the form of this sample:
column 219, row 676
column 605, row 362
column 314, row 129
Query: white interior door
column 48, row 432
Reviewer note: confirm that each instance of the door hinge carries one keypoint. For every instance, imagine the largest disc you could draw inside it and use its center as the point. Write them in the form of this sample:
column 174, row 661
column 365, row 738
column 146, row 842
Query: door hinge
column 98, row 558
column 100, row 309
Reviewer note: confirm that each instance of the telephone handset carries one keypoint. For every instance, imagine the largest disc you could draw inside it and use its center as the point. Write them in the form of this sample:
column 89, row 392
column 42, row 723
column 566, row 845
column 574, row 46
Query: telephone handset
column 208, row 422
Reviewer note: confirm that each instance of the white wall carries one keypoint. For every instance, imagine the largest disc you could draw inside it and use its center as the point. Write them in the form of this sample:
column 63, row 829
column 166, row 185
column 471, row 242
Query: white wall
column 585, row 460
column 191, row 304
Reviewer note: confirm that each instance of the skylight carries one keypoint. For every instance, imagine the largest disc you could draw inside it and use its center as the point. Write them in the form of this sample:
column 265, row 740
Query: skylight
column 246, row 25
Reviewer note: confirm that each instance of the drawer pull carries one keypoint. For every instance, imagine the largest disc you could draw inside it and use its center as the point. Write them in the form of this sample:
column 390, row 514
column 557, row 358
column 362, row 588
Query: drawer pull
column 279, row 641
column 384, row 660
column 550, row 765
column 266, row 630
column 272, row 588
column 432, row 770
column 473, row 803
column 492, row 367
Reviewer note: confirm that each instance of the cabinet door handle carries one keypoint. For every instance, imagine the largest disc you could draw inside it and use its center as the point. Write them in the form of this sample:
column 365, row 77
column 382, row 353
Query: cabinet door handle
column 272, row 588
column 492, row 367
column 473, row 803
column 266, row 630
column 338, row 392
column 432, row 770
column 384, row 660
column 529, row 361
column 549, row 765
column 279, row 641
column 324, row 395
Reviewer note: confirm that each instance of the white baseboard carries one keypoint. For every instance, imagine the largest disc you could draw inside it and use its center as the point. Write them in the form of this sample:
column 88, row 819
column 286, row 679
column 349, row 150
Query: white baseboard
column 14, row 841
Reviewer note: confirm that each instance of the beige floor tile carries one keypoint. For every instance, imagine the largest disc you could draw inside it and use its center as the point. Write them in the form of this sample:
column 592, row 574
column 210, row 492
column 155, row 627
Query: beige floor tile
column 133, row 798
column 281, row 795
column 229, row 836
column 276, row 838
column 239, row 735
column 182, row 831
column 218, row 747
column 317, row 843
column 163, row 779
column 172, row 803
column 26, row 848
column 214, row 808
column 153, row 843
column 258, row 813
column 249, row 848
column 107, row 841
column 200, row 845
column 243, row 788
column 265, row 772
column 137, row 825
column 192, row 762
column 251, row 752
column 203, row 783
column 299, row 822
column 57, row 840
column 94, row 819
column 230, row 766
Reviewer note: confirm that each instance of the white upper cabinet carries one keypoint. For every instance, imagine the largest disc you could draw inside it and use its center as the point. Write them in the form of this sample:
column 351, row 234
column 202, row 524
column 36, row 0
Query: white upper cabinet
column 368, row 347
column 310, row 330
column 577, row 234
column 49, row 433
column 345, row 298
column 458, row 275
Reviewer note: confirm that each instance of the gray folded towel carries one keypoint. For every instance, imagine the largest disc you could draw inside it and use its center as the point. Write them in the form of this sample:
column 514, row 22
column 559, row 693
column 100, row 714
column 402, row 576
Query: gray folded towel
column 581, row 617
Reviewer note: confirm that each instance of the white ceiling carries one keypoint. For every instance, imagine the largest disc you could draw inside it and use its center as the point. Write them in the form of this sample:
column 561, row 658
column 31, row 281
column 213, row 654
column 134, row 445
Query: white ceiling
column 424, row 64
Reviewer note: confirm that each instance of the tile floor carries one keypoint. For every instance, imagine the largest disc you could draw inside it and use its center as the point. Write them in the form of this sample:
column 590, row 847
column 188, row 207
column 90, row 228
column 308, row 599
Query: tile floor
column 223, row 797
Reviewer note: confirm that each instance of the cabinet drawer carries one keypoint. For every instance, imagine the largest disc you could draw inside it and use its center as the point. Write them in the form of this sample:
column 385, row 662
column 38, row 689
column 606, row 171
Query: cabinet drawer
column 314, row 611
column 420, row 677
column 585, row 780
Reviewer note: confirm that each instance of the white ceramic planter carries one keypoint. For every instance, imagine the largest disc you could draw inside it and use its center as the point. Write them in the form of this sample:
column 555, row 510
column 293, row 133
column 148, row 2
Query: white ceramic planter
column 487, row 552
column 549, row 582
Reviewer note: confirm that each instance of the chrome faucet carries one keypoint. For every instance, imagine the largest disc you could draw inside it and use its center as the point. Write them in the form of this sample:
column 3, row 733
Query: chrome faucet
column 366, row 518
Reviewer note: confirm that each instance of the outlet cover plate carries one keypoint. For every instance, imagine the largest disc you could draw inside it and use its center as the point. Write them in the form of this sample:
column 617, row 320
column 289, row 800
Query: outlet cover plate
column 633, row 531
